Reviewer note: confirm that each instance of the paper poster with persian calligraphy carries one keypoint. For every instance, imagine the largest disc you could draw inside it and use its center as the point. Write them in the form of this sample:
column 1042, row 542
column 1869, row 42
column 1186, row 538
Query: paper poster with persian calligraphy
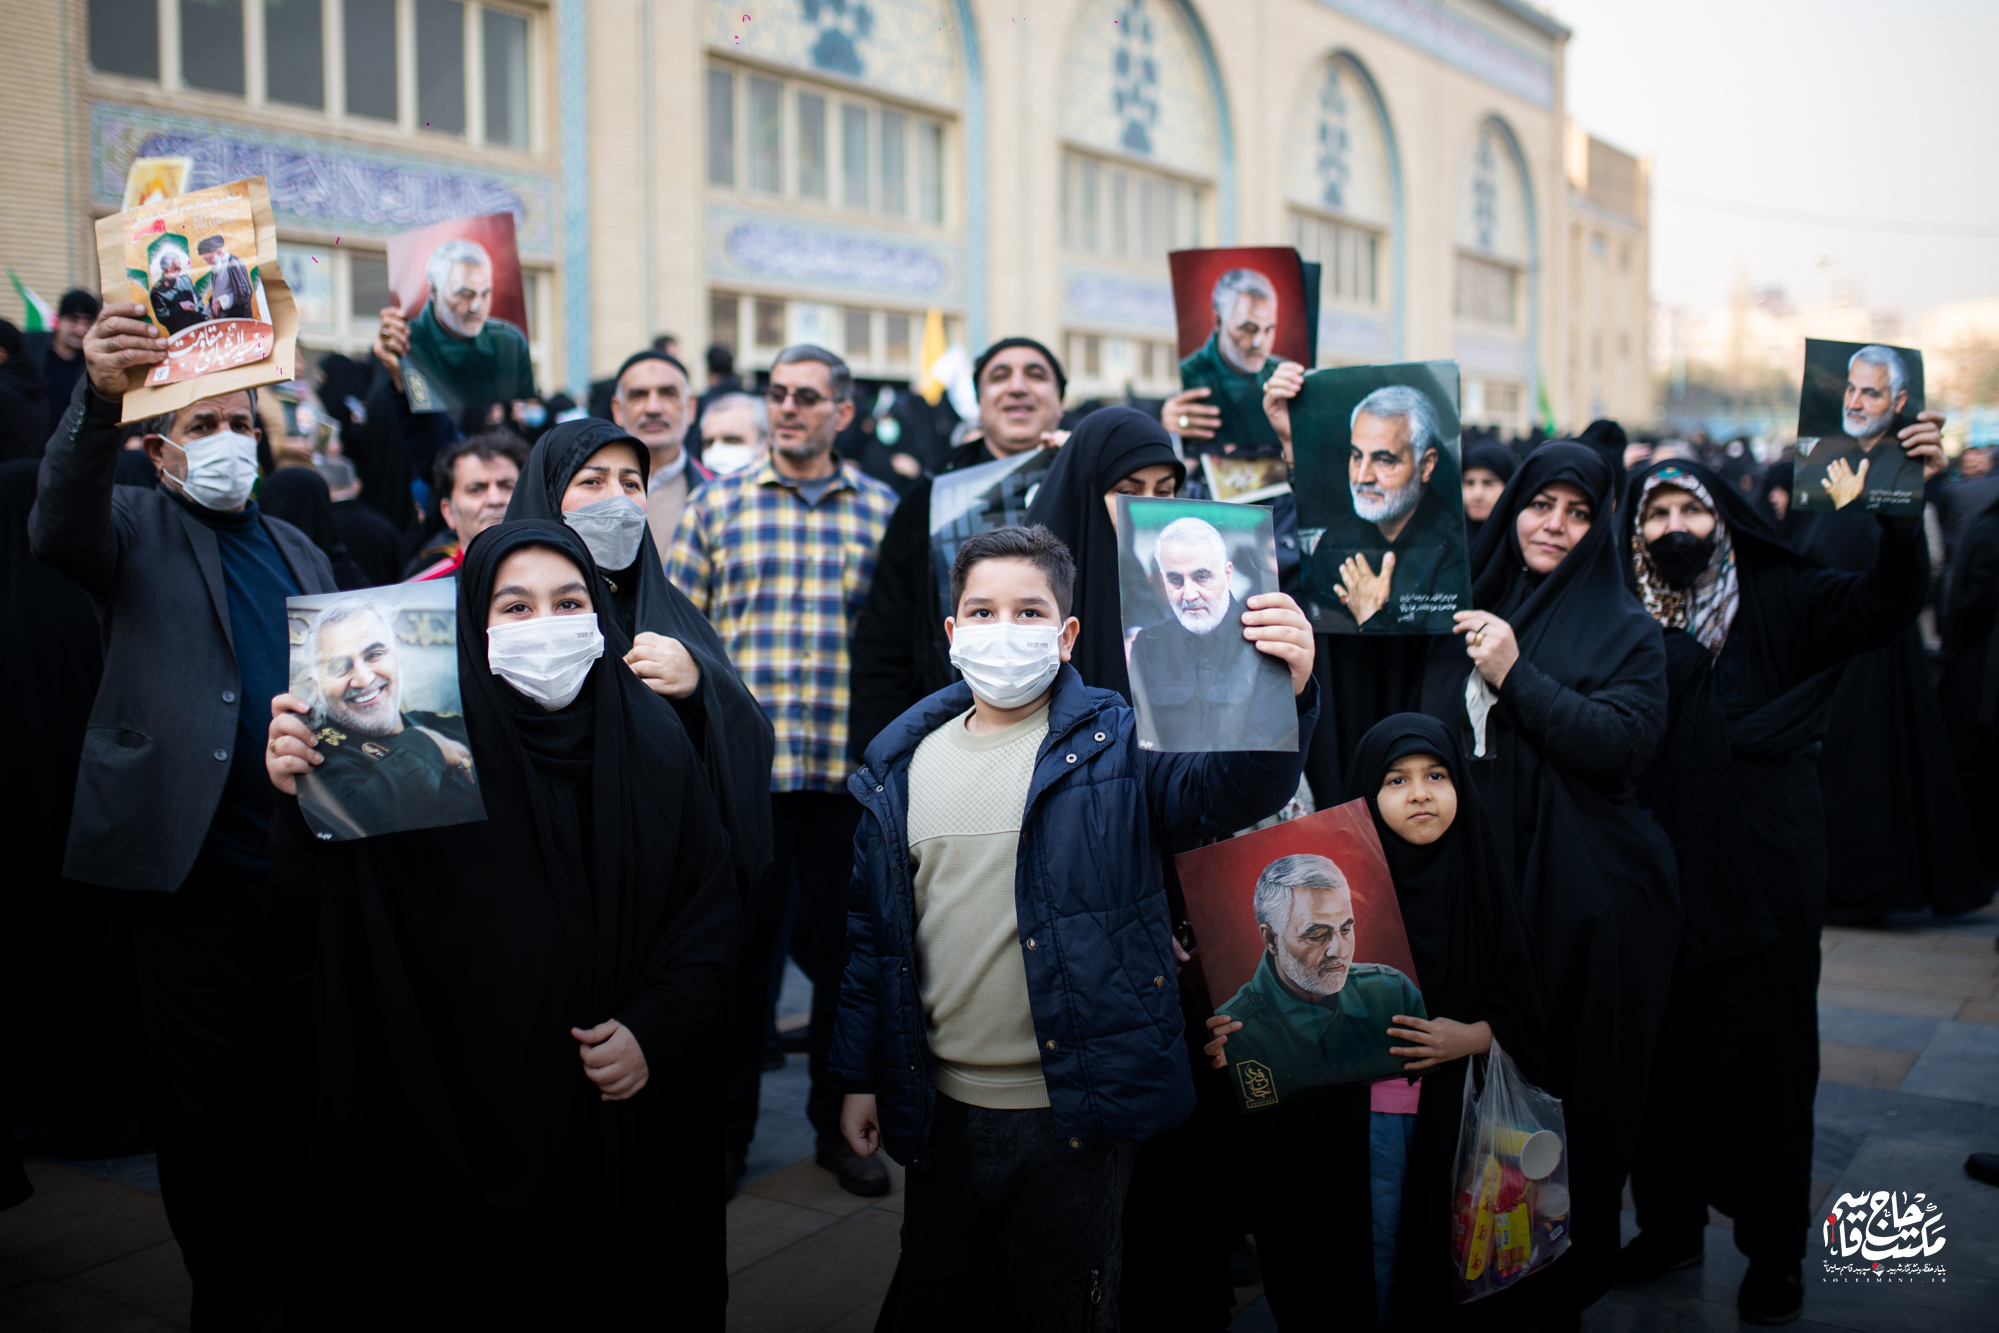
column 205, row 268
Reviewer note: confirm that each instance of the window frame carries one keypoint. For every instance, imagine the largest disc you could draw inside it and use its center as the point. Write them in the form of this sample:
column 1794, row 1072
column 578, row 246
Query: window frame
column 933, row 213
column 1096, row 225
column 168, row 78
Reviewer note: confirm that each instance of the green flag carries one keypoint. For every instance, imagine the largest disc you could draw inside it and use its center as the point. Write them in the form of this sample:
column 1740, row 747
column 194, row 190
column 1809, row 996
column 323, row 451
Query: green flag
column 40, row 318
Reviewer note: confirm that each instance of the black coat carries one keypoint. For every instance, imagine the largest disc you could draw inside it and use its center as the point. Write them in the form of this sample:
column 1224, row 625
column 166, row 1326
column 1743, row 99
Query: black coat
column 167, row 709
column 730, row 729
column 370, row 540
column 1578, row 719
column 1905, row 838
column 1745, row 725
column 900, row 655
column 1969, row 691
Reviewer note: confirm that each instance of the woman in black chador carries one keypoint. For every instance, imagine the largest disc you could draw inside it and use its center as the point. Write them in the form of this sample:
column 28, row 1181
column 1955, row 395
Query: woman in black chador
column 577, row 464
column 513, row 1013
column 1564, row 702
column 1754, row 631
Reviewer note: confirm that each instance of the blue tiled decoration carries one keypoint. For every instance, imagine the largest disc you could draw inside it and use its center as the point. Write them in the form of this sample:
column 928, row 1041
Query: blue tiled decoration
column 1507, row 56
column 802, row 255
column 1341, row 159
column 1115, row 300
column 905, row 48
column 1494, row 209
column 1135, row 84
column 317, row 184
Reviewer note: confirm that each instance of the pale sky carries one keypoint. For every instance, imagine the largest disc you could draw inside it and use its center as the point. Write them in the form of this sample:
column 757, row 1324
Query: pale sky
column 1842, row 111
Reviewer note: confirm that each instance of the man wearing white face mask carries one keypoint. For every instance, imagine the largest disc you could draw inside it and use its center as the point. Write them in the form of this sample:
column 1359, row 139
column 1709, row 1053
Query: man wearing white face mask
column 190, row 580
column 1009, row 1025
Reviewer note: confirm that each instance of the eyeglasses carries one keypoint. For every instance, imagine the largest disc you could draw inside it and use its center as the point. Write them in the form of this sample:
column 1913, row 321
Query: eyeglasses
column 806, row 399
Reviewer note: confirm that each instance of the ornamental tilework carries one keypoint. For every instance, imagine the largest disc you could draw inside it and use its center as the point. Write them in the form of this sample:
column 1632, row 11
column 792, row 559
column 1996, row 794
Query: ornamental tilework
column 1114, row 300
column 1492, row 199
column 1134, row 84
column 319, row 184
column 1339, row 154
column 759, row 247
column 904, row 48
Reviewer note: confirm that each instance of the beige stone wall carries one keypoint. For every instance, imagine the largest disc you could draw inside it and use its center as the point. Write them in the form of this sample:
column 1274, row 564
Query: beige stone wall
column 44, row 227
column 649, row 269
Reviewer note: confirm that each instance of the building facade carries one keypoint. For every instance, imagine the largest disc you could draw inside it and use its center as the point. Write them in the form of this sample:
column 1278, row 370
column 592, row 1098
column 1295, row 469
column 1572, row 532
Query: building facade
column 832, row 170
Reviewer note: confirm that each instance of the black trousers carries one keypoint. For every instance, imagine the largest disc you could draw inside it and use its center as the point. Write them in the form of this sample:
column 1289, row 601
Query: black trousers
column 224, row 967
column 1733, row 1084
column 1007, row 1229
column 813, row 833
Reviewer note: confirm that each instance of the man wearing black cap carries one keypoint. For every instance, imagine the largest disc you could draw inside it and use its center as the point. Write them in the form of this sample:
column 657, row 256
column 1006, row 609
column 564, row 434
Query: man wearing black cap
column 59, row 351
column 650, row 398
column 899, row 653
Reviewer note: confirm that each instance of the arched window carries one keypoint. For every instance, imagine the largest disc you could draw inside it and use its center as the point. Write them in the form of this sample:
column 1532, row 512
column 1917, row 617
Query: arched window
column 1494, row 238
column 1141, row 151
column 855, row 135
column 1341, row 185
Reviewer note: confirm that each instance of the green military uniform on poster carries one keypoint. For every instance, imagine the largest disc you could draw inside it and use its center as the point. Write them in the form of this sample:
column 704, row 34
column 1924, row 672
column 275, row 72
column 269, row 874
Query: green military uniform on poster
column 1237, row 393
column 1288, row 1044
column 385, row 784
column 444, row 372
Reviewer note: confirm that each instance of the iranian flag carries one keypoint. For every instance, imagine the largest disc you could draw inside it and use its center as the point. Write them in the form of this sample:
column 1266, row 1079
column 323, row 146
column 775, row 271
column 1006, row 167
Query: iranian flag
column 40, row 316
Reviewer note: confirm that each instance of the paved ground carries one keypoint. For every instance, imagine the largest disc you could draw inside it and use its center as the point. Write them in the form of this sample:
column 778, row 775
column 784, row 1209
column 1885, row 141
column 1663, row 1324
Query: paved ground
column 1910, row 1084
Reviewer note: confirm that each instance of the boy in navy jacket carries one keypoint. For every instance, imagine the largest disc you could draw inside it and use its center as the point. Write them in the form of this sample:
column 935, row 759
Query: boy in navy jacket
column 1009, row 1023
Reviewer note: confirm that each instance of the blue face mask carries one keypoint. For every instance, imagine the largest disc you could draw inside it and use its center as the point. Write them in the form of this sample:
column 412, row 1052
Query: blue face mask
column 533, row 415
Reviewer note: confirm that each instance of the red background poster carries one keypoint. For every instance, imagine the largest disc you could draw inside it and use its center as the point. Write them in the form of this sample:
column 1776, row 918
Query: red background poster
column 1220, row 880
column 1195, row 273
column 495, row 231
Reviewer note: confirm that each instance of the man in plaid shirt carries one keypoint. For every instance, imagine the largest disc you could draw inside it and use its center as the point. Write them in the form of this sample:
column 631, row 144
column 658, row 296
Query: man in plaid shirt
column 780, row 555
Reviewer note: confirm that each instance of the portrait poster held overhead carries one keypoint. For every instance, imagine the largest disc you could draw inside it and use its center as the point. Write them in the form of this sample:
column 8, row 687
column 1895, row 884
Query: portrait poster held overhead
column 978, row 499
column 1856, row 399
column 1241, row 311
column 1300, row 938
column 1186, row 568
column 379, row 670
column 1381, row 511
column 205, row 267
column 458, row 284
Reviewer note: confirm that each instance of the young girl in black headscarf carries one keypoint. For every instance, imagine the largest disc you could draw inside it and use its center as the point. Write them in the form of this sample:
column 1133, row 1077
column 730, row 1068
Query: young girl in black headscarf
column 1753, row 632
column 1386, row 1143
column 1564, row 700
column 592, row 475
column 1488, row 467
column 512, row 1012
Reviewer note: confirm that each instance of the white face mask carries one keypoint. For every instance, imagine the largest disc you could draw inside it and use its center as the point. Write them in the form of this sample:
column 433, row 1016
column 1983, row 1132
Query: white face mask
column 221, row 469
column 546, row 658
column 1007, row 665
column 612, row 529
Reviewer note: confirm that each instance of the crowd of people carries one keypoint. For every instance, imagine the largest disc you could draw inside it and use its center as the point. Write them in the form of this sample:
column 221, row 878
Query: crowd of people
column 732, row 708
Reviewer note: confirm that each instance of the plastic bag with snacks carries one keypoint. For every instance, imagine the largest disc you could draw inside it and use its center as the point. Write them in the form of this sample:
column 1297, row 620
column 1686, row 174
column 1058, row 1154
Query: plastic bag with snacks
column 1510, row 1213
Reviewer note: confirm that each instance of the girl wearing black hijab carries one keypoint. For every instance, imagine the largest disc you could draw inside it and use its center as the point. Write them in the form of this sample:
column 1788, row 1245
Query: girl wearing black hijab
column 511, row 1011
column 1753, row 631
column 591, row 475
column 299, row 496
column 1565, row 702
column 1488, row 467
column 1113, row 451
column 1471, row 957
